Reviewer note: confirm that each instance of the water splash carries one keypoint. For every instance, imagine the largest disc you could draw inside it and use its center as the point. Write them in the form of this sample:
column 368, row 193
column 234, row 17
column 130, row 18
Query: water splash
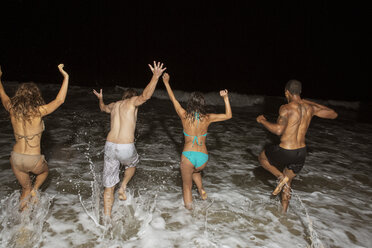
column 94, row 209
column 315, row 241
column 123, row 224
column 23, row 229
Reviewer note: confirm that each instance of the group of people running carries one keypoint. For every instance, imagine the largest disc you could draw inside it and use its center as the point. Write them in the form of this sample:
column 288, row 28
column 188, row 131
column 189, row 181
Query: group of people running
column 27, row 108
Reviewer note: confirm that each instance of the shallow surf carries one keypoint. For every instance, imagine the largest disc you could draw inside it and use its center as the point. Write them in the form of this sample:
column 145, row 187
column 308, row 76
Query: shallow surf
column 330, row 206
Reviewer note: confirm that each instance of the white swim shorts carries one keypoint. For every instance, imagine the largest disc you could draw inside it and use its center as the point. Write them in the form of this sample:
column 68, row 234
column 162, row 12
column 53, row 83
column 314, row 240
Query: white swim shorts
column 116, row 154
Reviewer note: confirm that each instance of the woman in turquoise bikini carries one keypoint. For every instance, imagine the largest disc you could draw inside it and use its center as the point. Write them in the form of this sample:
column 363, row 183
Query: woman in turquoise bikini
column 195, row 122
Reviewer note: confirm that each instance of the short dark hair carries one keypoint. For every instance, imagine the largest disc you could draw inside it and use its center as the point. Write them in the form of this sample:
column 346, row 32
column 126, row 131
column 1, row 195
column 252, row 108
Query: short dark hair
column 129, row 93
column 294, row 87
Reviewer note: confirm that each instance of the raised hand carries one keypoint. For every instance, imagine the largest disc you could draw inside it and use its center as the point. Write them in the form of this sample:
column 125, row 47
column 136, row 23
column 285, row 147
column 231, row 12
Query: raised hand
column 99, row 95
column 260, row 119
column 166, row 78
column 63, row 72
column 223, row 93
column 158, row 69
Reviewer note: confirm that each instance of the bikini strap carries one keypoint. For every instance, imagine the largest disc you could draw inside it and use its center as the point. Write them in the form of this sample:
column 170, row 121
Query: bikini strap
column 197, row 118
column 195, row 138
column 28, row 138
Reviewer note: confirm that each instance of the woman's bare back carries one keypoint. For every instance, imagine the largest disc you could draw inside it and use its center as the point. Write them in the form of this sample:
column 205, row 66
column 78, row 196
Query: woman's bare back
column 27, row 135
column 196, row 128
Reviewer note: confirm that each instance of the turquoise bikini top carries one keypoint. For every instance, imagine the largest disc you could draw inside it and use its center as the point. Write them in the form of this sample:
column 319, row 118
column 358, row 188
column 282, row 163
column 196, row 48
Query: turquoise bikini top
column 195, row 137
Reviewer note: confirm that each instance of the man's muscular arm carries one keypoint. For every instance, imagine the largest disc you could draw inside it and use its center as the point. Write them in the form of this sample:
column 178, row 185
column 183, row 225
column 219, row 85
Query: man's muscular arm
column 280, row 125
column 321, row 110
column 157, row 70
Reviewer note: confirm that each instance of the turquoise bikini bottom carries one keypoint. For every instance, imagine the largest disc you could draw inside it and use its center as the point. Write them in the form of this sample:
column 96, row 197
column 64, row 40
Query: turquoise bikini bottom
column 196, row 158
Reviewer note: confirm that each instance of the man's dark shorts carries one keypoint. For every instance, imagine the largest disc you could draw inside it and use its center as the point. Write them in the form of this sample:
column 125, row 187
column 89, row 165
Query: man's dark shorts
column 280, row 157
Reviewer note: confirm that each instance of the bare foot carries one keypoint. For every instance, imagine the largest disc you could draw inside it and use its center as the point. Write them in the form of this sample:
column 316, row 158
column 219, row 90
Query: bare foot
column 281, row 183
column 188, row 206
column 122, row 195
column 203, row 194
column 24, row 203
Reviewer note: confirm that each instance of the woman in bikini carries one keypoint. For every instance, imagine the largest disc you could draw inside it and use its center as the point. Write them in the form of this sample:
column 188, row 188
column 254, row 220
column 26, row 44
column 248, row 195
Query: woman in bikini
column 195, row 122
column 26, row 109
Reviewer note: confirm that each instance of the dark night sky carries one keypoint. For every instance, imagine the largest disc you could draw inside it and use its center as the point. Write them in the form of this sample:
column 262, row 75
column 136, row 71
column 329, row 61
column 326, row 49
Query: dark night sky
column 252, row 47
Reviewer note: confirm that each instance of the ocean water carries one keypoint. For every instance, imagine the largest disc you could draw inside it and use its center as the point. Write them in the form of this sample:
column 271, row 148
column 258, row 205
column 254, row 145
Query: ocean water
column 331, row 204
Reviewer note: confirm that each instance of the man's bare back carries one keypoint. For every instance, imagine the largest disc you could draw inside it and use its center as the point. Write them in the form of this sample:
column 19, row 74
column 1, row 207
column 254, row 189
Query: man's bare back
column 294, row 120
column 123, row 121
column 296, row 117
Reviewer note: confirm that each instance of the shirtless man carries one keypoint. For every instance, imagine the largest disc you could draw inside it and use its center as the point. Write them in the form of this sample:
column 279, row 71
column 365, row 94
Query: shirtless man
column 292, row 124
column 119, row 147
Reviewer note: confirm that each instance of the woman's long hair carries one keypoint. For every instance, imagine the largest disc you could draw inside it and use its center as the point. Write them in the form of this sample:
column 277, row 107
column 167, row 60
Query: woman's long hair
column 26, row 102
column 195, row 104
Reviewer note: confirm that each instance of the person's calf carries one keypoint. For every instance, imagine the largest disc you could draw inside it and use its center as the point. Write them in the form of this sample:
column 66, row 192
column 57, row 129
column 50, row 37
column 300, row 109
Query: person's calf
column 40, row 179
column 187, row 197
column 24, row 199
column 286, row 197
column 108, row 200
column 264, row 162
column 25, row 192
column 289, row 173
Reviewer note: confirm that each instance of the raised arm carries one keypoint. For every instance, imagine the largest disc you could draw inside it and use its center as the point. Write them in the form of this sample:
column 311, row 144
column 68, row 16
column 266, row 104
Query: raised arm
column 228, row 113
column 177, row 106
column 321, row 110
column 61, row 96
column 157, row 70
column 4, row 97
column 280, row 125
column 102, row 106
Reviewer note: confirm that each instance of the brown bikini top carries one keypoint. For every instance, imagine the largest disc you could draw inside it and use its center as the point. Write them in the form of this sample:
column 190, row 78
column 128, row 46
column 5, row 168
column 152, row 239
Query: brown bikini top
column 30, row 137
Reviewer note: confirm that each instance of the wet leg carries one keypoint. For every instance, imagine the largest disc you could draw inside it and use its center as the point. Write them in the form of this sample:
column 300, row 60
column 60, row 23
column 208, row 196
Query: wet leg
column 267, row 166
column 42, row 171
column 25, row 181
column 108, row 200
column 196, row 177
column 273, row 170
column 286, row 193
column 129, row 172
column 187, row 170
